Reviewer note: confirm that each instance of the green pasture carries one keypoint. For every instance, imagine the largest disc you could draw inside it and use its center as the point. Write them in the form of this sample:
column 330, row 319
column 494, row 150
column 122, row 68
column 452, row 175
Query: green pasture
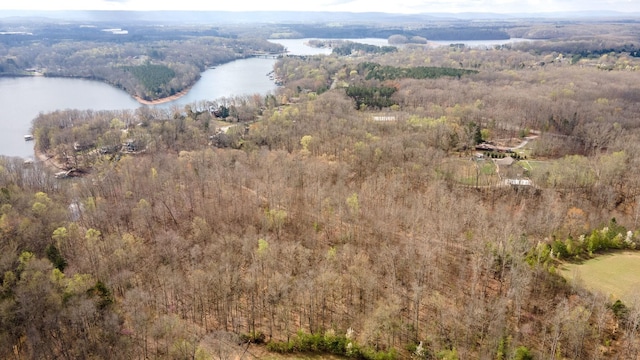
column 617, row 275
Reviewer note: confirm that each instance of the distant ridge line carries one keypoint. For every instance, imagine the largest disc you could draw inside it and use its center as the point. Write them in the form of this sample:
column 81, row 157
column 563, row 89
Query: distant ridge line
column 188, row 16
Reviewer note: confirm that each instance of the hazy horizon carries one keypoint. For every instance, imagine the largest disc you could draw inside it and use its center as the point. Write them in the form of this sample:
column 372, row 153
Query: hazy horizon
column 356, row 6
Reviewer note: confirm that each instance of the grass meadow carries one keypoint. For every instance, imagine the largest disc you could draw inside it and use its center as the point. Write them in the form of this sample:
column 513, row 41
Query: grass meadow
column 616, row 275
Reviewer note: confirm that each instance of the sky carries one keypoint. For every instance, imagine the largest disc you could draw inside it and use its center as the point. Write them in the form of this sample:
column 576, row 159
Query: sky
column 397, row 6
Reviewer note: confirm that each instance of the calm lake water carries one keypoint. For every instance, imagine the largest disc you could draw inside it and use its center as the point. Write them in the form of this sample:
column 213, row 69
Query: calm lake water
column 240, row 77
column 298, row 47
column 22, row 99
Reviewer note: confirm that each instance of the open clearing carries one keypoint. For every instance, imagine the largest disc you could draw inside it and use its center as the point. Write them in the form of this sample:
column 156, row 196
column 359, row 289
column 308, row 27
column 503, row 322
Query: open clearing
column 299, row 357
column 260, row 352
column 615, row 274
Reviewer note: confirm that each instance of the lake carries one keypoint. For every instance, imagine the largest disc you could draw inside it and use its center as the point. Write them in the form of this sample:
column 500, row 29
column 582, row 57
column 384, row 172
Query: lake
column 237, row 78
column 23, row 98
column 298, row 47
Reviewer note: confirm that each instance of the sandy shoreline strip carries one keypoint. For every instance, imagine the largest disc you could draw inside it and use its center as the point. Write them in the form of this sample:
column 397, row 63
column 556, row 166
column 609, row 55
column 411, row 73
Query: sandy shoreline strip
column 164, row 99
column 47, row 160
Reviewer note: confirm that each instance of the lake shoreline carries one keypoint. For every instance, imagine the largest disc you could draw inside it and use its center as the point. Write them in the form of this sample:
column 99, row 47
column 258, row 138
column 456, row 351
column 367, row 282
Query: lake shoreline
column 139, row 99
column 163, row 100
column 48, row 161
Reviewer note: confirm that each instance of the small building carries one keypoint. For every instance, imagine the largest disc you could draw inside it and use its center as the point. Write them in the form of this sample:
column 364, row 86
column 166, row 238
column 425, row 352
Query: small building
column 485, row 147
column 518, row 182
column 131, row 146
column 106, row 149
column 384, row 118
column 77, row 146
column 63, row 174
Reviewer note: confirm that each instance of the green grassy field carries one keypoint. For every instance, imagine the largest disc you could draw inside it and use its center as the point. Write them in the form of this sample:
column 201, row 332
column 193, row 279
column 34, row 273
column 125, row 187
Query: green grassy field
column 616, row 275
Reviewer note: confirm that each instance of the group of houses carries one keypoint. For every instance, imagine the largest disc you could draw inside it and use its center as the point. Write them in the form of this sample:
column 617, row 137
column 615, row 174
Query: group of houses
column 509, row 174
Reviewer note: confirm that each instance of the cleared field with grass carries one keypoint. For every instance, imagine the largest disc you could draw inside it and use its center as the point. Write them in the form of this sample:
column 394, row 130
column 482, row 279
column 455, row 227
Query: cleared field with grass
column 616, row 275
column 299, row 357
column 469, row 172
column 260, row 352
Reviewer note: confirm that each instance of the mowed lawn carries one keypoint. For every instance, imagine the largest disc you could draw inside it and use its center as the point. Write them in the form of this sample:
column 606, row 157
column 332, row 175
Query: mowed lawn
column 616, row 275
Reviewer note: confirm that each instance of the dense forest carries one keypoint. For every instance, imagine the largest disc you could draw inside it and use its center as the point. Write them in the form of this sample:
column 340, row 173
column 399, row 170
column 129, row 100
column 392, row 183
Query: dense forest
column 164, row 61
column 347, row 214
column 446, row 31
column 351, row 47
